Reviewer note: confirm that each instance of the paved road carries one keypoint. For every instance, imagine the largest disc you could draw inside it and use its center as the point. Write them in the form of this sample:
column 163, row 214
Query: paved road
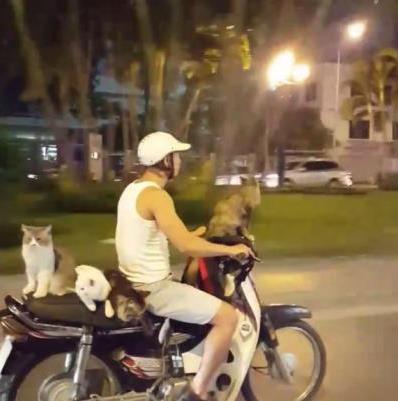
column 355, row 305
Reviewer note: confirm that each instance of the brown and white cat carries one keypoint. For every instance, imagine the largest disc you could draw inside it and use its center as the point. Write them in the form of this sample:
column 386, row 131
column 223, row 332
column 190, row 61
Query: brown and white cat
column 129, row 303
column 49, row 270
column 231, row 216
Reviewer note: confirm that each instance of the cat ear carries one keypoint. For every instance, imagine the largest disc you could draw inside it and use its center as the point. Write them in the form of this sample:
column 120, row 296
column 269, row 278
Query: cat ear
column 24, row 228
column 48, row 229
column 81, row 269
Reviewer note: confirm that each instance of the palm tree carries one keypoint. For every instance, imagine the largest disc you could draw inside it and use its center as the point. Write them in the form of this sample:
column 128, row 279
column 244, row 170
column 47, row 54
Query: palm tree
column 371, row 79
column 198, row 75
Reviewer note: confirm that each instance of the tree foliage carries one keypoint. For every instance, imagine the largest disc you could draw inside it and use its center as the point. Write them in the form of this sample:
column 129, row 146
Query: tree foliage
column 304, row 130
column 374, row 87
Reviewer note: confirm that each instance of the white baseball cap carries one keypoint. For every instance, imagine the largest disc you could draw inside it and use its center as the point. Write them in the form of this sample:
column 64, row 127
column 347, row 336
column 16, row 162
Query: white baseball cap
column 156, row 146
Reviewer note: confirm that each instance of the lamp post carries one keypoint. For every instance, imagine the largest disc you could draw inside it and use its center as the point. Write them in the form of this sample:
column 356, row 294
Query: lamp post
column 283, row 72
column 354, row 32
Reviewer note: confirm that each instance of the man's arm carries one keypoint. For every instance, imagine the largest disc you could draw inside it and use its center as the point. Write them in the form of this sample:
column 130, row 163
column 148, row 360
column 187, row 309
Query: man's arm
column 163, row 210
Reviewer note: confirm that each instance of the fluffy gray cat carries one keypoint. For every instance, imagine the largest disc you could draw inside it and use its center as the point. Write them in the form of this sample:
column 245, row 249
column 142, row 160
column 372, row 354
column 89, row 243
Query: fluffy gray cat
column 49, row 270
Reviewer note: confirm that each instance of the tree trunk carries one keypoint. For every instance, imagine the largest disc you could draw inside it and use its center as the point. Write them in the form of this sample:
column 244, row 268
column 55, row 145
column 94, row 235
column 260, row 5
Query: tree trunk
column 154, row 70
column 267, row 136
column 127, row 153
column 134, row 138
column 183, row 129
column 37, row 85
column 156, row 89
column 82, row 68
column 110, row 135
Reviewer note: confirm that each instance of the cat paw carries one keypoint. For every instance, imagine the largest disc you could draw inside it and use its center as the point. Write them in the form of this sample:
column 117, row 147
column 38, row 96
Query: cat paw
column 91, row 307
column 28, row 289
column 39, row 294
column 109, row 311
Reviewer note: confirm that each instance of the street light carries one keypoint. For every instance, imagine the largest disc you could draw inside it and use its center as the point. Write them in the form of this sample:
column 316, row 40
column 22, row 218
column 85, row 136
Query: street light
column 283, row 72
column 354, row 32
column 300, row 72
column 280, row 70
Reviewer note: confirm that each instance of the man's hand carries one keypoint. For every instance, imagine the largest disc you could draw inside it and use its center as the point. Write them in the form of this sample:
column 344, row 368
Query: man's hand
column 241, row 250
column 199, row 232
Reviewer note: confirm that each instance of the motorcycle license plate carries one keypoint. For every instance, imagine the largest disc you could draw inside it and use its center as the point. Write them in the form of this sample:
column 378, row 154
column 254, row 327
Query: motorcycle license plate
column 5, row 351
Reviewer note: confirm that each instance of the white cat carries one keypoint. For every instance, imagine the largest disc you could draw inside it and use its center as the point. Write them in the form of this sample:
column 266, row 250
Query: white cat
column 49, row 270
column 91, row 286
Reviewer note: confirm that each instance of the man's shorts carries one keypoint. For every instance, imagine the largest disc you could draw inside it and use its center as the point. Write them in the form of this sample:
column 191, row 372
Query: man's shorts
column 179, row 301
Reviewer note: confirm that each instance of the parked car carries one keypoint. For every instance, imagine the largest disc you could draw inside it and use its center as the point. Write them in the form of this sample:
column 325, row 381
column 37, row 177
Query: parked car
column 312, row 173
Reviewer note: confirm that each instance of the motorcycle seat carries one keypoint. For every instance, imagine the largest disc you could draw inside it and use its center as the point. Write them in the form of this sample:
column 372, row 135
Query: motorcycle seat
column 69, row 310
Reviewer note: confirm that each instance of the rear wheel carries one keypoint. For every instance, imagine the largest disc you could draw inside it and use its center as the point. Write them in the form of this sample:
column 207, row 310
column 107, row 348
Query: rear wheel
column 51, row 379
column 292, row 372
column 335, row 184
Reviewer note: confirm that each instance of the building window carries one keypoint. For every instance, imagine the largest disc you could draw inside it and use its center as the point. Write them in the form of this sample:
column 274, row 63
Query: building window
column 395, row 131
column 359, row 130
column 310, row 92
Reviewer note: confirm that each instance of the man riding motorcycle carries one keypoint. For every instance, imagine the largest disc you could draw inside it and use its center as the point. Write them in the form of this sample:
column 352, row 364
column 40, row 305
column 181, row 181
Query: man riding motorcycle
column 146, row 220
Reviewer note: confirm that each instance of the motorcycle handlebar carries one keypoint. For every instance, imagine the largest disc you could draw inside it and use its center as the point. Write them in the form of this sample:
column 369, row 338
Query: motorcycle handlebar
column 242, row 258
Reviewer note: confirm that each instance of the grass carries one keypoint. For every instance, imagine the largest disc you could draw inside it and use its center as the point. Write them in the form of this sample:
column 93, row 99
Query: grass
column 286, row 225
column 79, row 233
column 321, row 225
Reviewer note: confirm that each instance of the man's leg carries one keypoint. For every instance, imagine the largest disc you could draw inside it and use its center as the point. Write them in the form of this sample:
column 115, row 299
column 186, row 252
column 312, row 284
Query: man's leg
column 216, row 348
column 188, row 304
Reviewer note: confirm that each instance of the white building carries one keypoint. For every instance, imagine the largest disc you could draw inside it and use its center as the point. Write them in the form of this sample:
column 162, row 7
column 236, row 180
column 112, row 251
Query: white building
column 359, row 150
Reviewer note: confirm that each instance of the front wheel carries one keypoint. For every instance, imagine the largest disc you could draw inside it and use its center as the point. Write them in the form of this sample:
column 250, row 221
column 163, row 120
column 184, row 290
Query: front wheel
column 293, row 371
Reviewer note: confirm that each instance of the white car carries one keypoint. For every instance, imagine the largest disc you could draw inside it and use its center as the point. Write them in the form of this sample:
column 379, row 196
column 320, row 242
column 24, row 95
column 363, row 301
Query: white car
column 312, row 173
column 236, row 178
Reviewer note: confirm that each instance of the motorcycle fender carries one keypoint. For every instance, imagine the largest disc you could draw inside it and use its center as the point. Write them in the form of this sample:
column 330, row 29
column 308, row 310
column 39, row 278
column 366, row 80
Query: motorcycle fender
column 280, row 315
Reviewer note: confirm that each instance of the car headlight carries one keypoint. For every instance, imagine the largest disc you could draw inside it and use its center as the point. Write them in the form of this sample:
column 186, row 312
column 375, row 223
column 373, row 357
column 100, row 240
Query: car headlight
column 346, row 180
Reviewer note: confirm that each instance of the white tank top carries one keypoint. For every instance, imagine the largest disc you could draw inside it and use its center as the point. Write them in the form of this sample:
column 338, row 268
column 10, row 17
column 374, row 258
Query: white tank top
column 141, row 247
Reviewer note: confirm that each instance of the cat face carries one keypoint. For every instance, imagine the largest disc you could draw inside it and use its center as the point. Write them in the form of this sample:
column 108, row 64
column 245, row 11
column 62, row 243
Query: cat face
column 127, row 309
column 91, row 283
column 36, row 236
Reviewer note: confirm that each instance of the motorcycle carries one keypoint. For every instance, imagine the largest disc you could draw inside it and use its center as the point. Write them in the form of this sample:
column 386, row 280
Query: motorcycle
column 56, row 350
